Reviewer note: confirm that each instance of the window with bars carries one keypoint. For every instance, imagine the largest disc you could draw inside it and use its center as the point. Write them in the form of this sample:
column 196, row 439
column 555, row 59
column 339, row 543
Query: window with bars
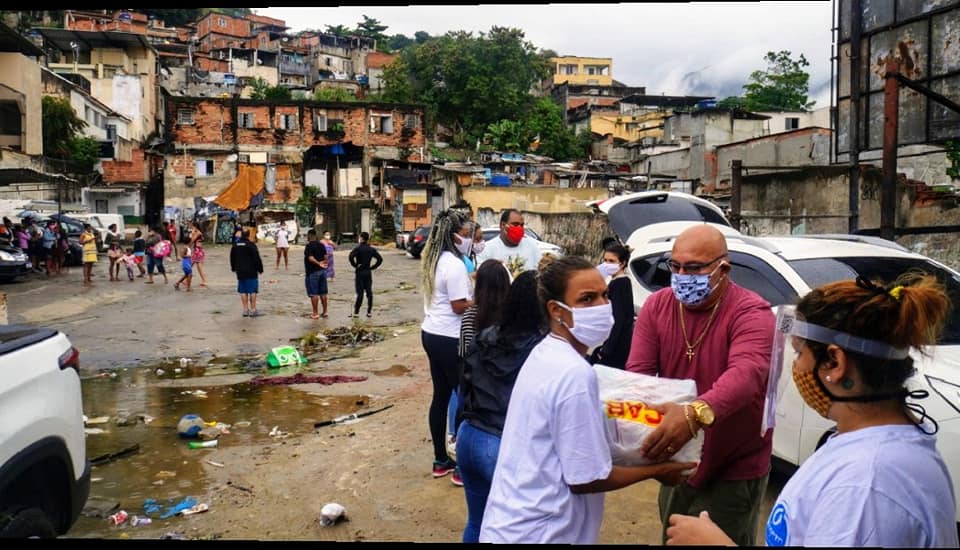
column 320, row 122
column 411, row 122
column 185, row 116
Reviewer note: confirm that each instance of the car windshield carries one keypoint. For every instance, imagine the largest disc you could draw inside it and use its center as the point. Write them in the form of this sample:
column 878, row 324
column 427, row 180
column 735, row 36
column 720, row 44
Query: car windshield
column 819, row 271
column 628, row 216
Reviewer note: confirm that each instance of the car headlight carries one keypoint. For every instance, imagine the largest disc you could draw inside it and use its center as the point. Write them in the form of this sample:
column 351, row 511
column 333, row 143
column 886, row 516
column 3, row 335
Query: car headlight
column 7, row 257
column 947, row 391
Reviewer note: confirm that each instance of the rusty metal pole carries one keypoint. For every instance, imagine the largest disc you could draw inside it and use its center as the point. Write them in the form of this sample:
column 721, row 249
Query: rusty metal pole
column 888, row 189
column 736, row 168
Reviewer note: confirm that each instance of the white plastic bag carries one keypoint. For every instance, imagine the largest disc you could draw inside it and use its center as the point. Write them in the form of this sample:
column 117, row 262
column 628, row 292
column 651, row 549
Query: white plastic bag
column 625, row 398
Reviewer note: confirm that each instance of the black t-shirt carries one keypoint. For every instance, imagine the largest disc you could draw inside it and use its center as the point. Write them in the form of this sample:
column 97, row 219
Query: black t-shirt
column 318, row 251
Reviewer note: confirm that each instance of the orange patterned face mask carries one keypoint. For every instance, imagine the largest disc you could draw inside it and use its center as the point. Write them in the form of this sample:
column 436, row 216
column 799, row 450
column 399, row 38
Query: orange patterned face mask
column 812, row 392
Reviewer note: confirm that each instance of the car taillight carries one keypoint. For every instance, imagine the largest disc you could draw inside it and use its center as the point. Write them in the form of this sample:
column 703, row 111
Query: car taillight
column 417, row 238
column 70, row 359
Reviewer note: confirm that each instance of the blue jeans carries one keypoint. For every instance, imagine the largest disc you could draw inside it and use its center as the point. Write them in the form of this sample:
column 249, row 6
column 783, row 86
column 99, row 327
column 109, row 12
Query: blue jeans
column 477, row 453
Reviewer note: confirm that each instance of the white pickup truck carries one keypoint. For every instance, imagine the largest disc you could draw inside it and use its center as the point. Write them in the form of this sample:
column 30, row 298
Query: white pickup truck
column 44, row 471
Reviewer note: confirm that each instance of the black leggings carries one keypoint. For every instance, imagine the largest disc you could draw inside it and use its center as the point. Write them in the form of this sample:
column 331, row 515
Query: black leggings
column 444, row 370
column 364, row 283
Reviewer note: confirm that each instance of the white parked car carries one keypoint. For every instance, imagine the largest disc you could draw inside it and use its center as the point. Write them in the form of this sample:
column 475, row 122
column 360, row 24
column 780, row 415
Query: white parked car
column 491, row 232
column 781, row 270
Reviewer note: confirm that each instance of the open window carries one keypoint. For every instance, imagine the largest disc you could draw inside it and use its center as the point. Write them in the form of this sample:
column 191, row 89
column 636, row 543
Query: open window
column 204, row 168
column 381, row 123
column 287, row 122
column 246, row 120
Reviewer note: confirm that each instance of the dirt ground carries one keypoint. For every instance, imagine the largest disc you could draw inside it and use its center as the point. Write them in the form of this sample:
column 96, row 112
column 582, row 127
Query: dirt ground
column 378, row 468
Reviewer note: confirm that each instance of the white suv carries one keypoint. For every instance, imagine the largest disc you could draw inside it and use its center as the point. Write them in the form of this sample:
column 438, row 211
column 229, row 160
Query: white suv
column 781, row 270
column 44, row 472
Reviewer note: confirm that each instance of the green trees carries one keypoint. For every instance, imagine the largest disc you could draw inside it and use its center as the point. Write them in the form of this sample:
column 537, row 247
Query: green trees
column 334, row 94
column 61, row 135
column 540, row 130
column 263, row 90
column 782, row 87
column 468, row 82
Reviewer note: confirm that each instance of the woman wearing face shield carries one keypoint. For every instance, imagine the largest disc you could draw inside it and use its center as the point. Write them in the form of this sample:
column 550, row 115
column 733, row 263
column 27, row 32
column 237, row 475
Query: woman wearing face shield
column 879, row 481
column 554, row 462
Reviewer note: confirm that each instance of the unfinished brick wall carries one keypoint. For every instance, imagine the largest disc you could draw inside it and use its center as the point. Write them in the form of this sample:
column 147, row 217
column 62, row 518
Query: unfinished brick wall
column 134, row 171
column 181, row 166
column 211, row 123
column 233, row 26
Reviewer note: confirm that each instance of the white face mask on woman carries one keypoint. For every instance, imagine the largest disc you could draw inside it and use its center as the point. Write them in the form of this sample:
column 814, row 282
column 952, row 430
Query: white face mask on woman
column 591, row 325
column 464, row 245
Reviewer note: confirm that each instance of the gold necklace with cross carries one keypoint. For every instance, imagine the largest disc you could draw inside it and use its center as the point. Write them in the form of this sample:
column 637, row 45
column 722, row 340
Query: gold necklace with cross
column 683, row 327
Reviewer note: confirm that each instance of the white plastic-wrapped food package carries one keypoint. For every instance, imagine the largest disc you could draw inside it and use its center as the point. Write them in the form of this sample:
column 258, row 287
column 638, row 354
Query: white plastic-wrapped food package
column 625, row 399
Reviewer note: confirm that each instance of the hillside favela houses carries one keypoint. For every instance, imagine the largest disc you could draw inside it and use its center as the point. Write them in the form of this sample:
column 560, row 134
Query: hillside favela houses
column 172, row 110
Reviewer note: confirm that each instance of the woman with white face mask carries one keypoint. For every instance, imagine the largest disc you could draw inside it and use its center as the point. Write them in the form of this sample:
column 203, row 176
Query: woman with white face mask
column 879, row 481
column 554, row 462
column 614, row 351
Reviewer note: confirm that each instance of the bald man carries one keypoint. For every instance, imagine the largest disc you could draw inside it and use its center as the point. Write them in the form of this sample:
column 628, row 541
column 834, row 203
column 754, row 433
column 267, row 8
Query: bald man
column 707, row 328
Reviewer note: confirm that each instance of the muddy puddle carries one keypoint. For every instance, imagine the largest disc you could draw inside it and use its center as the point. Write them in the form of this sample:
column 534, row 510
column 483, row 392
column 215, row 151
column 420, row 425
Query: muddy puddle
column 146, row 459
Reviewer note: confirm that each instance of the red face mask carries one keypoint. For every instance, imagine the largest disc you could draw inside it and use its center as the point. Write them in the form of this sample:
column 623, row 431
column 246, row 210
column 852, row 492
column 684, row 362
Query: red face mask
column 515, row 233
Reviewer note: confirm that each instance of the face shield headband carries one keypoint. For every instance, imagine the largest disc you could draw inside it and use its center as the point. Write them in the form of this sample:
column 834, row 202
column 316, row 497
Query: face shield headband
column 788, row 325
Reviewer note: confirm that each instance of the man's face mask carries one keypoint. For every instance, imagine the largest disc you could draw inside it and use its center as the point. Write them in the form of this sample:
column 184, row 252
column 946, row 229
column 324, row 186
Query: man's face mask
column 515, row 233
column 693, row 289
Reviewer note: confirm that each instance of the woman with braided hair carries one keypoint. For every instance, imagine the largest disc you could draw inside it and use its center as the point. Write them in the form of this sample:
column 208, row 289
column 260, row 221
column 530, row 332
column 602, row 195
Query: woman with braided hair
column 879, row 480
column 447, row 293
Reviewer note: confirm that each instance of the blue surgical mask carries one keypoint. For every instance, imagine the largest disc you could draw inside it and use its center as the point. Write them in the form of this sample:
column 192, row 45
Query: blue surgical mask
column 690, row 289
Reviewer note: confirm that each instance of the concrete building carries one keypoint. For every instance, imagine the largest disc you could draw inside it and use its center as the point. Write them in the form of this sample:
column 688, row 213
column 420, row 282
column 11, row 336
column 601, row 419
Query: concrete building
column 591, row 71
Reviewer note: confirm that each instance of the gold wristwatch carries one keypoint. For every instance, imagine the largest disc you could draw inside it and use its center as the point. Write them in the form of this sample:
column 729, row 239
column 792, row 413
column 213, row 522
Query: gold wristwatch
column 703, row 412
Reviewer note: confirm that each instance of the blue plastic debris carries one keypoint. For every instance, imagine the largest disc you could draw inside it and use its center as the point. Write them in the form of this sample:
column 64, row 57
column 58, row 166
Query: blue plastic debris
column 150, row 506
column 187, row 502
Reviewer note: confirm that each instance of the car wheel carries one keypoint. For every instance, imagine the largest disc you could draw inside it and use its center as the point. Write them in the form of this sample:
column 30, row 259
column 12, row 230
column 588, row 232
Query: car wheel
column 26, row 523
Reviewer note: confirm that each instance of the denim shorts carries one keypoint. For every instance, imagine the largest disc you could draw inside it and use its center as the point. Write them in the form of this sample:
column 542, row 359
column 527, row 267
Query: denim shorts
column 316, row 283
column 248, row 286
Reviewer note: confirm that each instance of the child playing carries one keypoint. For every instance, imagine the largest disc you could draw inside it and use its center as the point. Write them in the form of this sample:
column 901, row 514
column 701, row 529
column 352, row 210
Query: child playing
column 187, row 266
column 130, row 261
column 114, row 255
column 139, row 251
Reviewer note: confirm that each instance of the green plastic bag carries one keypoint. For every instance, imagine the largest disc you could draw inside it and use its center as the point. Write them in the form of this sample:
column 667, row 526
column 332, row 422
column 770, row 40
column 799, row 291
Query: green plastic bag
column 283, row 356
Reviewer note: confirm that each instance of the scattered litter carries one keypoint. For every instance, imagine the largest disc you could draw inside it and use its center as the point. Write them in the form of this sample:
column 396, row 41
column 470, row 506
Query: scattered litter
column 212, row 463
column 189, row 425
column 331, row 513
column 173, row 536
column 96, row 420
column 204, row 444
column 119, row 517
column 242, row 424
column 184, row 504
column 177, row 370
column 184, row 361
column 276, row 432
column 301, row 378
column 283, row 356
column 124, row 419
column 209, row 433
column 96, row 479
column 151, row 506
column 198, row 509
column 137, row 520
column 161, row 372
column 196, row 393
column 94, row 431
column 165, row 474
column 145, row 418
column 349, row 418
column 109, row 457
column 99, row 507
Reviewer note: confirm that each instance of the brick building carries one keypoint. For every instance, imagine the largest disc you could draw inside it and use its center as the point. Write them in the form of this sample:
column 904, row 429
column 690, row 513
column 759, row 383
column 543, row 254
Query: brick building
column 326, row 145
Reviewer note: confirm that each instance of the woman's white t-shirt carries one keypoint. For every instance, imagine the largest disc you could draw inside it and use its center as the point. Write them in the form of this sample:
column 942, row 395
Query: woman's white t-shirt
column 282, row 238
column 553, row 437
column 450, row 283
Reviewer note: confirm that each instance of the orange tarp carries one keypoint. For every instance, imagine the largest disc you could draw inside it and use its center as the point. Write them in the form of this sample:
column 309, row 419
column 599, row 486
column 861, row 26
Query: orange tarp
column 249, row 182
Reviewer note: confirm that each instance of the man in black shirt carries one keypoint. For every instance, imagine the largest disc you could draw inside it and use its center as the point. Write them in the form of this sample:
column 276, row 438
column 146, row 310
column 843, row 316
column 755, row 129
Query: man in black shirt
column 315, row 263
column 246, row 263
column 360, row 258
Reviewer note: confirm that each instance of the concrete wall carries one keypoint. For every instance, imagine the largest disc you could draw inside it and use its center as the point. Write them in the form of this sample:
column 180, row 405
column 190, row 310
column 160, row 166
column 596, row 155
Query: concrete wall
column 778, row 119
column 115, row 201
column 22, row 76
column 533, row 199
column 674, row 163
column 798, row 148
column 814, row 201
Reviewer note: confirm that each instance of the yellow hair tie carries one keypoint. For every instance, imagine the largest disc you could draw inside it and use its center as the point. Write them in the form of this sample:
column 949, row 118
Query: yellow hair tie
column 895, row 292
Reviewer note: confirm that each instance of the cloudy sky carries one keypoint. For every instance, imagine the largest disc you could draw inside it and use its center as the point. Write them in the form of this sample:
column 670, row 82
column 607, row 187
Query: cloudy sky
column 696, row 48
